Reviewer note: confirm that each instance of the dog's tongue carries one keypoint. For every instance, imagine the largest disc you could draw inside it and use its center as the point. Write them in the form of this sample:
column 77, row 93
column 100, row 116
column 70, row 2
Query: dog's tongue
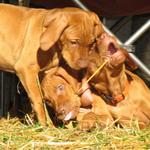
column 112, row 48
column 68, row 116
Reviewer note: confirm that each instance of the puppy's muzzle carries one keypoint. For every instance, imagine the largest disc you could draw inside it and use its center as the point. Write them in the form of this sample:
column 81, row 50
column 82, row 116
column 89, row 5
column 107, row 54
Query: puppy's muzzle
column 82, row 63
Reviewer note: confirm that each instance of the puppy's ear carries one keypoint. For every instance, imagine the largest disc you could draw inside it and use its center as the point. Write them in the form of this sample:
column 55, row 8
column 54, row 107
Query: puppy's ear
column 98, row 24
column 64, row 74
column 130, row 64
column 54, row 25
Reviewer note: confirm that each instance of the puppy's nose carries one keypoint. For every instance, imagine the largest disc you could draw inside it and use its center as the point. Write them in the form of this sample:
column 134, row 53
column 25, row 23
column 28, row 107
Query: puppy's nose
column 82, row 63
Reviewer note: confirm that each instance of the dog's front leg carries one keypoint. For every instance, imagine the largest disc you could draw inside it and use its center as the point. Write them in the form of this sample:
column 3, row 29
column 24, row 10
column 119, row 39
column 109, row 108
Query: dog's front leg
column 28, row 77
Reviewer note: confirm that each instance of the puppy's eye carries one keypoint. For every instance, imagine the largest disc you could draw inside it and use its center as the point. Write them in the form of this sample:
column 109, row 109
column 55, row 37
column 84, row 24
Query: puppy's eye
column 60, row 87
column 74, row 42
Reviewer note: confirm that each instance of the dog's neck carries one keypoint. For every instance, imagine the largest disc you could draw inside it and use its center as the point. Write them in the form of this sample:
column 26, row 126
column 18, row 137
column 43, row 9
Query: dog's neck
column 48, row 59
column 112, row 84
column 118, row 85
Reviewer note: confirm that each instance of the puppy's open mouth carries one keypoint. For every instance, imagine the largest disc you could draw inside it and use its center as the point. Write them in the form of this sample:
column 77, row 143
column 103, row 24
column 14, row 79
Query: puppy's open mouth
column 112, row 49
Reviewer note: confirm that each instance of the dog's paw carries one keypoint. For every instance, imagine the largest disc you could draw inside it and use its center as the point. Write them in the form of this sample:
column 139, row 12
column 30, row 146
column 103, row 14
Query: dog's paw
column 91, row 120
column 88, row 122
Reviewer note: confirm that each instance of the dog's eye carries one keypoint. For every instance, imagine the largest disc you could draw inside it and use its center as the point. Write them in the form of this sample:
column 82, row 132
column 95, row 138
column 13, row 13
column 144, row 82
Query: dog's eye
column 60, row 87
column 74, row 42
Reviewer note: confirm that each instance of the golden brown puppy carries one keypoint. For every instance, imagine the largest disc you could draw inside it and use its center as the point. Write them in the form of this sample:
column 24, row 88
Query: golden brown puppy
column 126, row 92
column 135, row 107
column 108, row 49
column 59, row 90
column 27, row 36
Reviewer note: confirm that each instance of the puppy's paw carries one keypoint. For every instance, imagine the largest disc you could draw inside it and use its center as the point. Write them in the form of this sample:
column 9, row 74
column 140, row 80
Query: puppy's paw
column 88, row 122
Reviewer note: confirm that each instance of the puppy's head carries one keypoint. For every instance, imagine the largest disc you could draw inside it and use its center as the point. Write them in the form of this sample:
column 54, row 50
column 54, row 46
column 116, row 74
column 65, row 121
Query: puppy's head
column 111, row 79
column 110, row 49
column 75, row 31
column 59, row 94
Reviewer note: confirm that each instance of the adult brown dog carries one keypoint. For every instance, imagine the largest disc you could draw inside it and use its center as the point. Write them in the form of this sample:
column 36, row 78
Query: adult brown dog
column 27, row 36
column 127, row 95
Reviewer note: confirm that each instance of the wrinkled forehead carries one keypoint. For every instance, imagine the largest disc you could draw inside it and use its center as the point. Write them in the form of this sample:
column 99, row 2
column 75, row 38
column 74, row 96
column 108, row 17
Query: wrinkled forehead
column 80, row 28
column 82, row 32
column 57, row 80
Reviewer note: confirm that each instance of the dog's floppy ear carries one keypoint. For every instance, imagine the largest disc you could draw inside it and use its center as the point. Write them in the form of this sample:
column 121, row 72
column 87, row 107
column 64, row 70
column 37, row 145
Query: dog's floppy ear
column 98, row 24
column 54, row 25
column 130, row 64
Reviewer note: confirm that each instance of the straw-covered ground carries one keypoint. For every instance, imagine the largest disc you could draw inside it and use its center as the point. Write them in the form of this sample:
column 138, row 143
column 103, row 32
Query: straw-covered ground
column 16, row 135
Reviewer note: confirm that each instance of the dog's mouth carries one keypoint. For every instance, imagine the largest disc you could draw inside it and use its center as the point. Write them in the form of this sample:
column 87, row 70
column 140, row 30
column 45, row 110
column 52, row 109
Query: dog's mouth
column 114, row 55
column 66, row 118
column 112, row 49
column 69, row 116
